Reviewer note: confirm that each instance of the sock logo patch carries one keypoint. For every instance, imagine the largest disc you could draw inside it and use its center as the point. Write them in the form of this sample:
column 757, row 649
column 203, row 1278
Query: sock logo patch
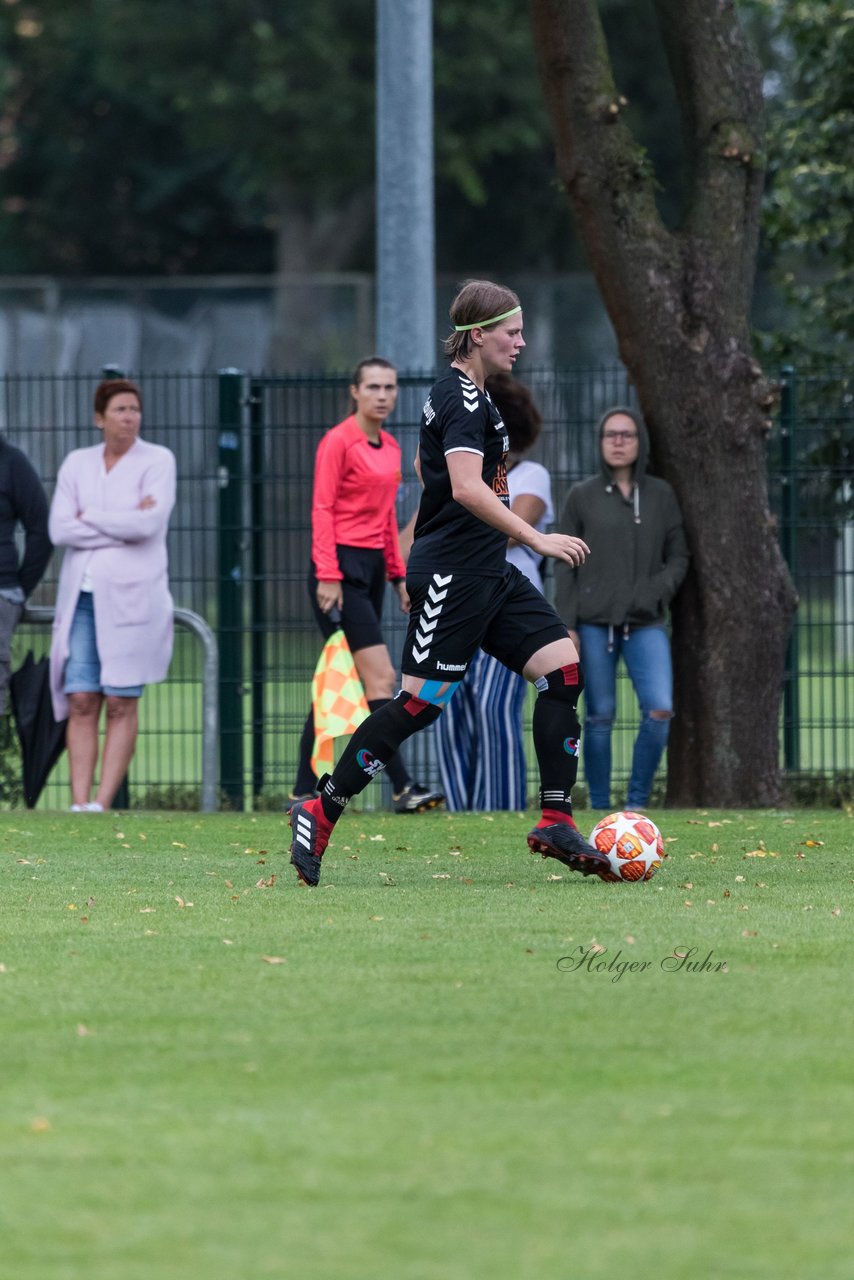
column 570, row 673
column 370, row 764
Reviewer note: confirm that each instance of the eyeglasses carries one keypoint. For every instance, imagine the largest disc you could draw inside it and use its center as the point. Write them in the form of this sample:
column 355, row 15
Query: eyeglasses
column 619, row 435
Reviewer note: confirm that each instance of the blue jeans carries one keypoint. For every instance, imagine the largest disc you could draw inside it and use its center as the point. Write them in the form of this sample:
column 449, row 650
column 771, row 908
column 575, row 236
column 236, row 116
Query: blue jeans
column 646, row 653
column 83, row 668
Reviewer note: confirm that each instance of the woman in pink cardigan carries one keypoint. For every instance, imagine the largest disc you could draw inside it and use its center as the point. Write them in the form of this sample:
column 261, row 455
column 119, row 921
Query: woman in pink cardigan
column 112, row 633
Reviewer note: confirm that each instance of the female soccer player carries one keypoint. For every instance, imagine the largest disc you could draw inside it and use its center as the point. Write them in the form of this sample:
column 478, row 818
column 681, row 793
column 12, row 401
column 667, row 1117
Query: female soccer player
column 465, row 595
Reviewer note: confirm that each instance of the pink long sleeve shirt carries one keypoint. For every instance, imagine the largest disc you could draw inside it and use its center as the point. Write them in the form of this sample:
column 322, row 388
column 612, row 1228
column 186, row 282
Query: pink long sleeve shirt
column 355, row 486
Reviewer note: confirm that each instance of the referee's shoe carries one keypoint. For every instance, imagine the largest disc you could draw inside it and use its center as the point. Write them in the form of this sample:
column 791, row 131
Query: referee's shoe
column 417, row 799
column 563, row 840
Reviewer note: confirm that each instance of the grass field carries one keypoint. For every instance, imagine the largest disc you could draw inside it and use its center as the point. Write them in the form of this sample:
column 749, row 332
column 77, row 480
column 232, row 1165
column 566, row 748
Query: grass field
column 420, row 1070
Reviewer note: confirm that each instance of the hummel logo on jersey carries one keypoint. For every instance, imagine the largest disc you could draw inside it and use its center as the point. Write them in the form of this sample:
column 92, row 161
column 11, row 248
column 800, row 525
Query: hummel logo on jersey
column 499, row 425
column 470, row 394
column 436, row 593
column 428, row 411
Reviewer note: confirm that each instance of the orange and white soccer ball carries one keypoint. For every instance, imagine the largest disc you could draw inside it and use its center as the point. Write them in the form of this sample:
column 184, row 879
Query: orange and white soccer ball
column 633, row 844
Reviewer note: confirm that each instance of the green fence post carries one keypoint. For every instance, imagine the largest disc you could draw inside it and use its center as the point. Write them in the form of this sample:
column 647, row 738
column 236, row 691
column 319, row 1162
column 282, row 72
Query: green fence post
column 259, row 582
column 788, row 539
column 121, row 800
column 230, row 584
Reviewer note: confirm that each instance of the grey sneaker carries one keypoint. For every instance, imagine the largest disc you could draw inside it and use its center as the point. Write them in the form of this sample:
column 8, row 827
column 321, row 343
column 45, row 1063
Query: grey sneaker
column 417, row 799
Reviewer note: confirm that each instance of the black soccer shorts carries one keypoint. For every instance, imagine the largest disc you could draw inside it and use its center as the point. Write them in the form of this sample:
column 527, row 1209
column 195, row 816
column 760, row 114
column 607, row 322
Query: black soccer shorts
column 454, row 614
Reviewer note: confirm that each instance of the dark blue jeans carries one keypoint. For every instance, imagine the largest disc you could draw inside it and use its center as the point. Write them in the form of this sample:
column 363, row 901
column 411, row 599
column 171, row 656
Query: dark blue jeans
column 646, row 653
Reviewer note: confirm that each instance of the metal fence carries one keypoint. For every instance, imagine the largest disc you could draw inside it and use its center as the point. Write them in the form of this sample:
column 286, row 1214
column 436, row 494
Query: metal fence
column 239, row 551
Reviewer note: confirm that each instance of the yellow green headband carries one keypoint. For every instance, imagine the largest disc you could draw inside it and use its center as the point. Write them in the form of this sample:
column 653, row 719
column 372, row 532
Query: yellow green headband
column 482, row 324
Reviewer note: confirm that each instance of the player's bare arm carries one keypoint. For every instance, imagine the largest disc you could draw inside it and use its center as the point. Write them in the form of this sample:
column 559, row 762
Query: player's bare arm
column 472, row 493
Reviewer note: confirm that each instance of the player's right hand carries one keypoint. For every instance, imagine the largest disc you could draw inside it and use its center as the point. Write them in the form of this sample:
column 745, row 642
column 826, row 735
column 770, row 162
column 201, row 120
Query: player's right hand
column 562, row 546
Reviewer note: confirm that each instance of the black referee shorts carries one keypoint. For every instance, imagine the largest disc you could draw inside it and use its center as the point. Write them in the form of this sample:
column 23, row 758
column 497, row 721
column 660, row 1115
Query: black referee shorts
column 363, row 588
column 455, row 614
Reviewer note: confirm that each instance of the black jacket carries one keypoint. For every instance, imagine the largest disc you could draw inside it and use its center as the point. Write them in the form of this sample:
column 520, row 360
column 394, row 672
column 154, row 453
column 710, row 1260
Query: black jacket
column 22, row 500
column 638, row 553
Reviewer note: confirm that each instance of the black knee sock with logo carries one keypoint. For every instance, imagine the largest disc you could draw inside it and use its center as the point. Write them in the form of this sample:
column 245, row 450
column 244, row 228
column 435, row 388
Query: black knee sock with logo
column 371, row 747
column 556, row 731
column 395, row 768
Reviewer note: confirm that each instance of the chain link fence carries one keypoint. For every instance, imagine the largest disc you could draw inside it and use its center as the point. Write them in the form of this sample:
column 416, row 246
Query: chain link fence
column 239, row 547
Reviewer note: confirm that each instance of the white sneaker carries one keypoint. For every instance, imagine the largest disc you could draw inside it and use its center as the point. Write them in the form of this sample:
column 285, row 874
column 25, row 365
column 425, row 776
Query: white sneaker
column 78, row 808
column 93, row 807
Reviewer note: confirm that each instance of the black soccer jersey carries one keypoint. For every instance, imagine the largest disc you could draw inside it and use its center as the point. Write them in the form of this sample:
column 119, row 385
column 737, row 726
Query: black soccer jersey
column 458, row 416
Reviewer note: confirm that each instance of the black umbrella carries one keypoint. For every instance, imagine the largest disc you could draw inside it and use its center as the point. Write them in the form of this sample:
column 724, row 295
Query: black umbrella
column 42, row 738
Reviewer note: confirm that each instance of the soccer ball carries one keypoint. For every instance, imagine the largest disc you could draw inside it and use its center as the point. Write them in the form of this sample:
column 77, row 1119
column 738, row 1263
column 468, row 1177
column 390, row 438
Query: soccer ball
column 633, row 844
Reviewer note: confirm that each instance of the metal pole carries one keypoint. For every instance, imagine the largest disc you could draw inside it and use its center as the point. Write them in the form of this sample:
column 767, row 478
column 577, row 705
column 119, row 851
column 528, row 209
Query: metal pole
column 259, row 582
column 406, row 283
column 230, row 583
column 788, row 540
column 194, row 622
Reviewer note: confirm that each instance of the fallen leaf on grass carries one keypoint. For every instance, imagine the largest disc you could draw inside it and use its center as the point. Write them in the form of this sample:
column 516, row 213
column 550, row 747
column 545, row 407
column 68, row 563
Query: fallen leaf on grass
column 813, row 844
column 176, row 844
column 145, row 911
column 83, row 1030
column 837, row 911
column 375, row 917
column 181, row 902
column 266, row 884
column 376, row 838
column 554, row 877
column 442, row 875
column 274, row 959
column 40, row 1125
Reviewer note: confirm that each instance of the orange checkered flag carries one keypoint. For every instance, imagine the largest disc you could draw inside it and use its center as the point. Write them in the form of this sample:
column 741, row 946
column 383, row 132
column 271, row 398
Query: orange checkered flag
column 338, row 700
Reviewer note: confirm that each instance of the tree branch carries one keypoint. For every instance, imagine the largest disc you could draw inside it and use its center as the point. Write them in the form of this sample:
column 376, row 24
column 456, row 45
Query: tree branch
column 719, row 88
column 607, row 176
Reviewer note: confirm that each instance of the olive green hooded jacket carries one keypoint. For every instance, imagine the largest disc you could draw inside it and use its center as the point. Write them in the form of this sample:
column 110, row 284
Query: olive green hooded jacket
column 638, row 552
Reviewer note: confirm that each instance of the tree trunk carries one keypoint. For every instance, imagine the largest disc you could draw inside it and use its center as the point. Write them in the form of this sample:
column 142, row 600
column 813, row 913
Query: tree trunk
column 309, row 241
column 679, row 302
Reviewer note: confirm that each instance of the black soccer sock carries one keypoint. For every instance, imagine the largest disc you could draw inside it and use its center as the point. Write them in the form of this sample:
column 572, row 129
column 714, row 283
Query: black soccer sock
column 395, row 768
column 306, row 781
column 372, row 746
column 556, row 731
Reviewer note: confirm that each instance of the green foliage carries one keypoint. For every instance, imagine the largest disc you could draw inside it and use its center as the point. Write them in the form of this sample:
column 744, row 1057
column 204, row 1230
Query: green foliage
column 808, row 222
column 142, row 139
column 11, row 788
column 821, row 790
column 210, row 1073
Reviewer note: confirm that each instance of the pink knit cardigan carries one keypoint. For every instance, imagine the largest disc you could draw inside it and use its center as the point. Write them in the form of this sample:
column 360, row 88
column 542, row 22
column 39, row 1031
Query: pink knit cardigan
column 124, row 551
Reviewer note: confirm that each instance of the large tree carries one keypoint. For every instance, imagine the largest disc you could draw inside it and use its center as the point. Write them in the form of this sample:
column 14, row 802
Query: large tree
column 679, row 300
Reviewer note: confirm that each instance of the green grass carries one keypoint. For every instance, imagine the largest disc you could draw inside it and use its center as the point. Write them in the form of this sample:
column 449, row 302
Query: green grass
column 208, row 1075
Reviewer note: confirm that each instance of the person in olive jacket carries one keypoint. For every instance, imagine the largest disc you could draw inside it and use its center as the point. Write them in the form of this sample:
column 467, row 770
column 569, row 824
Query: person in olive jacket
column 615, row 604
